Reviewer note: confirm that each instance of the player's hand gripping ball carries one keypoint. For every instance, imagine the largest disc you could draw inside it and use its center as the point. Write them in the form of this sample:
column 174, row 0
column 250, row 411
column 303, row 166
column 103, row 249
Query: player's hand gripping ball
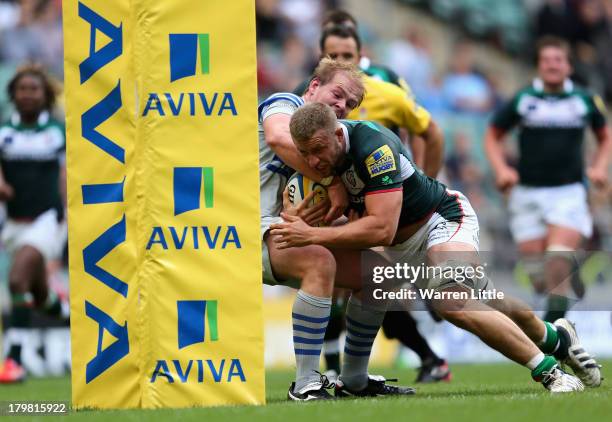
column 307, row 199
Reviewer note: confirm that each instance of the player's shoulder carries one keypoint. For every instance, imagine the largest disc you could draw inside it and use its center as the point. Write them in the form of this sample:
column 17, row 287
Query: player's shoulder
column 5, row 125
column 382, row 72
column 55, row 124
column 387, row 89
column 371, row 149
column 280, row 99
column 583, row 91
column 283, row 96
column 366, row 137
column 527, row 90
column 593, row 100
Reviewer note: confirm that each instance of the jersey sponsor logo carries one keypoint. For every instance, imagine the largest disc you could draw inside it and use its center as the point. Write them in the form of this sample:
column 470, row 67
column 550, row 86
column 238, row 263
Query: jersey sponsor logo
column 352, row 182
column 29, row 145
column 552, row 112
column 380, row 161
column 184, row 55
column 386, row 180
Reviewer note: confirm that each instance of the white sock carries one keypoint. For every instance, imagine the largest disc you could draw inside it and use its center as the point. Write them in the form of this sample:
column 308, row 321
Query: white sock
column 535, row 361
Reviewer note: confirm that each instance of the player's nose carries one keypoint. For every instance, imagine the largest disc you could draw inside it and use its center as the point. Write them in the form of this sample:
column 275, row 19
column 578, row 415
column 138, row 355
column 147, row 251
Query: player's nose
column 340, row 109
column 313, row 161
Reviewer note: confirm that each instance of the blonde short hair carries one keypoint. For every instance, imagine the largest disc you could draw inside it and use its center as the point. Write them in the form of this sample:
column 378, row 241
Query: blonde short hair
column 327, row 69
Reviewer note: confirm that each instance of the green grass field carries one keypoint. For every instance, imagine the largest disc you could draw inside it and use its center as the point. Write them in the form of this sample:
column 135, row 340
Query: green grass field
column 500, row 392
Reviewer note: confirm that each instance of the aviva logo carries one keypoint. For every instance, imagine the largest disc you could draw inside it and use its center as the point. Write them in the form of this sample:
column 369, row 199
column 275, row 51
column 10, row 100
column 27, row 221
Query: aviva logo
column 184, row 55
column 188, row 182
column 190, row 185
column 191, row 324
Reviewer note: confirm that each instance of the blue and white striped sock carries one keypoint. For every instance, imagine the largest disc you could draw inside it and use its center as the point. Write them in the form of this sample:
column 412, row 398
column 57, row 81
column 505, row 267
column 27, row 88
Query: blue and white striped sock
column 362, row 325
column 310, row 317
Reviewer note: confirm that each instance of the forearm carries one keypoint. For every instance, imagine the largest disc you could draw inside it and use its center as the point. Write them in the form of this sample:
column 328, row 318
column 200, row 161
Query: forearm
column 434, row 150
column 289, row 154
column 363, row 233
column 604, row 148
column 494, row 150
column 417, row 148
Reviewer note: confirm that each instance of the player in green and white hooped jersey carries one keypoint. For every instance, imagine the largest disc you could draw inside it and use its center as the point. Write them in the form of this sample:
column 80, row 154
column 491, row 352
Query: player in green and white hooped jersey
column 407, row 212
column 32, row 183
column 549, row 213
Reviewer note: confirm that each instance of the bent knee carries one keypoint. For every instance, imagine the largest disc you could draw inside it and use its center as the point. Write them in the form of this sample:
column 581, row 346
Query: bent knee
column 319, row 260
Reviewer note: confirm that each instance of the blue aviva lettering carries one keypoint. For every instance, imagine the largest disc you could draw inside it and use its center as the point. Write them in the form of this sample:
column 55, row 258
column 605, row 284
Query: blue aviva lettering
column 190, row 104
column 106, row 193
column 200, row 370
column 194, row 237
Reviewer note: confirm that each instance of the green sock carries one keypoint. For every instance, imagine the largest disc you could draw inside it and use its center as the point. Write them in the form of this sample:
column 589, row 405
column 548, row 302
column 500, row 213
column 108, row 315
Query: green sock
column 53, row 305
column 21, row 313
column 545, row 366
column 550, row 342
column 557, row 307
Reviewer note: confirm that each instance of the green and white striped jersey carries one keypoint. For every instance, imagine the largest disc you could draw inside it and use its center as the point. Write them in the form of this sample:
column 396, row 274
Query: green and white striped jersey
column 551, row 131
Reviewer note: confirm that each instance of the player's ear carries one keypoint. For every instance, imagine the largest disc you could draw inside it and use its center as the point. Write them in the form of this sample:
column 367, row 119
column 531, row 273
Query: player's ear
column 339, row 132
column 313, row 85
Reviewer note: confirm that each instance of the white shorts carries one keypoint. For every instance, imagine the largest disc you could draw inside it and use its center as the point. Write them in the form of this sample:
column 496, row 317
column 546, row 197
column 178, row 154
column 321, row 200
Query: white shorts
column 268, row 275
column 45, row 234
column 532, row 209
column 440, row 230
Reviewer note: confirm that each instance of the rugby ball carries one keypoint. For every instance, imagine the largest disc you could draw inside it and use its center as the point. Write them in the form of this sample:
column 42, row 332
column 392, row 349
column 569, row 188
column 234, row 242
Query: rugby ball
column 300, row 186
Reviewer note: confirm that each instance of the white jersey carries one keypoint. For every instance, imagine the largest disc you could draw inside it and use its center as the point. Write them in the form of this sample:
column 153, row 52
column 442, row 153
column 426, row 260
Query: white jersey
column 273, row 173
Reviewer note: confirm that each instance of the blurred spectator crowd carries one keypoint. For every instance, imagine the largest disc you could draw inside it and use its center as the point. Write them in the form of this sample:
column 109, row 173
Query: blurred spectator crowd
column 30, row 31
column 514, row 25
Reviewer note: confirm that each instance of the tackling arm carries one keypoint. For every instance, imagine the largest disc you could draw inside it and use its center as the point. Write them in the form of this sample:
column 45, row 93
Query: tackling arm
column 278, row 138
column 377, row 228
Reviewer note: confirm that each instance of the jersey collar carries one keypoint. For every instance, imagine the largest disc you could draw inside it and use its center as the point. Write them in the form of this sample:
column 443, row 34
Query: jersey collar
column 568, row 85
column 364, row 63
column 43, row 119
column 347, row 141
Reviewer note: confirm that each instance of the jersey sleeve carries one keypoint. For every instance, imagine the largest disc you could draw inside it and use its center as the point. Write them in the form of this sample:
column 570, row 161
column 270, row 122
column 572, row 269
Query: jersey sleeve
column 401, row 82
column 412, row 116
column 506, row 117
column 3, row 136
column 598, row 112
column 58, row 135
column 379, row 164
column 284, row 103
